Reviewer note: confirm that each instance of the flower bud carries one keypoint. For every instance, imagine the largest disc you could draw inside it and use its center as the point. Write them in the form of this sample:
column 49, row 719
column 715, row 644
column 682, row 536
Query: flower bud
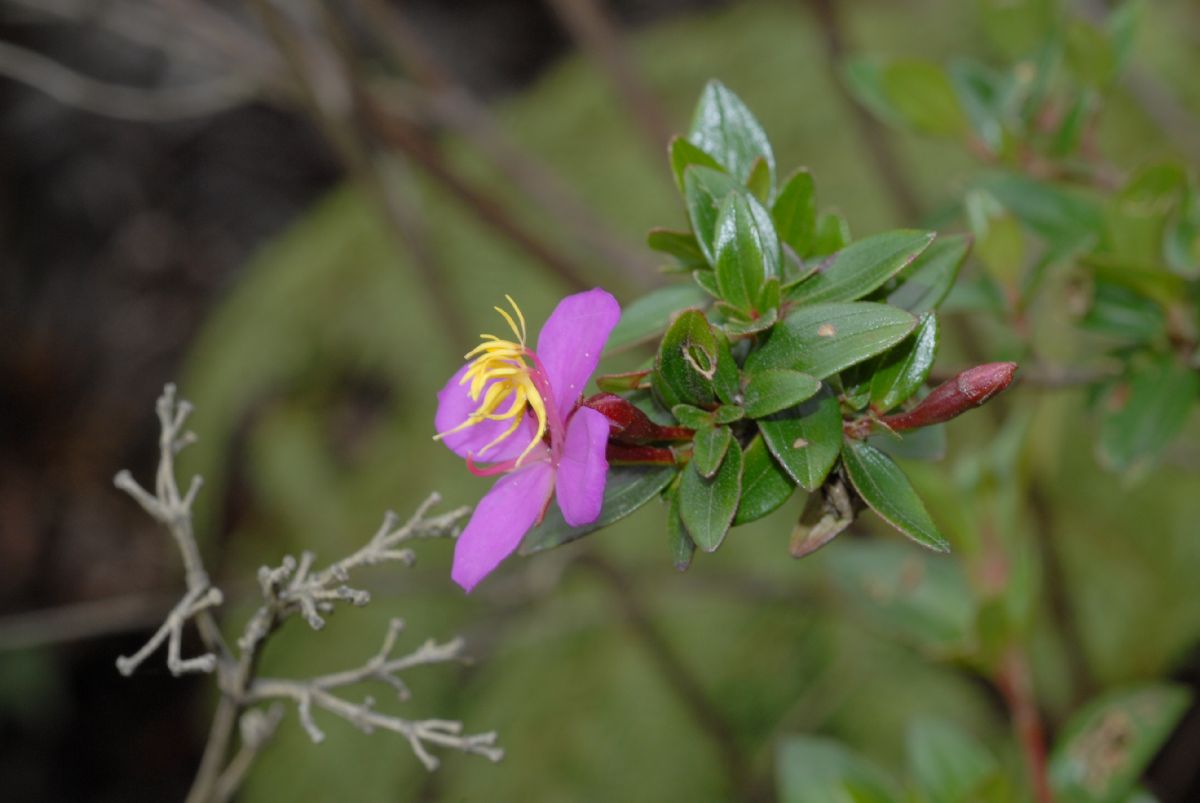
column 969, row 389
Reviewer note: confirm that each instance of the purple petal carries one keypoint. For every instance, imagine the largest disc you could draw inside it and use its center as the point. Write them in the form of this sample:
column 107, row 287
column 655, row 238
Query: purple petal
column 572, row 340
column 454, row 405
column 501, row 519
column 582, row 470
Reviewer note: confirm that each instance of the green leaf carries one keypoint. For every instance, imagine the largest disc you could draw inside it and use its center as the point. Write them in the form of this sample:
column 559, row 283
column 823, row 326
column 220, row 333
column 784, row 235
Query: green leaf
column 727, row 379
column 1089, row 53
column 709, row 446
column 864, row 79
column 1105, row 747
column 626, row 489
column 926, row 443
column 680, row 543
column 999, row 242
column 704, row 191
column 747, row 250
column 982, row 92
column 692, row 417
column 861, row 267
column 650, row 315
column 765, row 485
column 806, row 441
column 728, row 413
column 813, row 770
column 706, row 280
column 795, row 212
column 948, row 765
column 1119, row 312
column 1160, row 398
column 680, row 244
column 683, row 155
column 737, row 328
column 686, row 362
column 759, row 182
column 1067, row 220
column 708, row 505
column 883, row 486
column 921, row 93
column 927, row 280
column 726, row 130
column 777, row 389
column 825, row 338
column 831, row 236
column 903, row 369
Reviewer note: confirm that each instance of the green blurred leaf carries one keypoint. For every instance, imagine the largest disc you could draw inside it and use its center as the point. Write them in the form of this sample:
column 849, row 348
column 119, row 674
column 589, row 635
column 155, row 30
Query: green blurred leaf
column 806, row 441
column 726, row 130
column 983, row 94
column 765, row 485
column 826, row 338
column 885, row 488
column 747, row 249
column 650, row 315
column 776, row 389
column 683, row 155
column 1105, row 747
column 759, row 182
column 921, row 94
column 926, row 443
column 1159, row 397
column 1120, row 312
column 902, row 370
column 795, row 212
column 626, row 490
column 832, row 234
column 686, row 362
column 709, row 446
column 907, row 594
column 1089, row 53
column 707, row 505
column 1066, row 219
column 680, row 244
column 999, row 243
column 811, row 770
column 861, row 267
column 947, row 764
column 927, row 280
column 704, row 191
column 1151, row 281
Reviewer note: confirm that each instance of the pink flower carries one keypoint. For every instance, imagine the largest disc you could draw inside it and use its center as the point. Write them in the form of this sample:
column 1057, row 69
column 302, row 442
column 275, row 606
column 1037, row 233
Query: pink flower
column 518, row 409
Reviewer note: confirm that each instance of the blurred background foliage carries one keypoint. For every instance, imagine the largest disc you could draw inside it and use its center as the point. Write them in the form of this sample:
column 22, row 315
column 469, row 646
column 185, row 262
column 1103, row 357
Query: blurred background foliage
column 313, row 371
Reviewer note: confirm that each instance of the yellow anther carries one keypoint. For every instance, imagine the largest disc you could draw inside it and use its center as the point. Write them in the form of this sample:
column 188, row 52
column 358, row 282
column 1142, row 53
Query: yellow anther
column 506, row 365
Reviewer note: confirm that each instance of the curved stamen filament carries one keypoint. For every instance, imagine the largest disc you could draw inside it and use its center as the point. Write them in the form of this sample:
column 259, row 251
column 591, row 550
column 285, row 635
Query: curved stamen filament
column 503, row 370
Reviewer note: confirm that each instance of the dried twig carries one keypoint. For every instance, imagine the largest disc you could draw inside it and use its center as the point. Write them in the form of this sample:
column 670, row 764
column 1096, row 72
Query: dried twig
column 292, row 588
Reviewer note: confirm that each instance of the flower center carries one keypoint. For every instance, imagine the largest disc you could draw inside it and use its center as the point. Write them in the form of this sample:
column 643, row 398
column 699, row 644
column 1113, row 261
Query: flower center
column 504, row 372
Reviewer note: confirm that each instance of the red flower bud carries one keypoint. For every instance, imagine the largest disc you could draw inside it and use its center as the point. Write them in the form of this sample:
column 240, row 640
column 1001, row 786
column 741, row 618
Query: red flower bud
column 627, row 454
column 954, row 397
column 631, row 425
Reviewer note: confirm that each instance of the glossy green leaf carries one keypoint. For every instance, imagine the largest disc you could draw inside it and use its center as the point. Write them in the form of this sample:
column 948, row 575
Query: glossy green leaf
column 832, row 234
column 709, row 446
column 806, row 441
column 795, row 212
column 927, row 280
column 726, row 130
column 682, row 547
column 683, row 155
column 777, row 389
column 704, row 192
column 626, row 489
column 1105, row 746
column 813, row 770
column 885, row 488
column 747, row 251
column 707, row 505
column 739, row 328
column 680, row 244
column 728, row 413
column 947, row 764
column 651, row 314
column 706, row 280
column 902, row 370
column 1158, row 399
column 921, row 93
column 692, row 417
column 727, row 378
column 825, row 338
column 686, row 362
column 861, row 267
column 765, row 485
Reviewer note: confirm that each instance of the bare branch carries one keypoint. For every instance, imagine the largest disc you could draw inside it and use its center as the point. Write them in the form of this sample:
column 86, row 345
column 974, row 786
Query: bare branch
column 121, row 102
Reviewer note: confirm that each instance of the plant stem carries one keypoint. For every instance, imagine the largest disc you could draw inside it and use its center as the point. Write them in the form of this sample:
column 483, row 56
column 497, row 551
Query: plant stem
column 1015, row 681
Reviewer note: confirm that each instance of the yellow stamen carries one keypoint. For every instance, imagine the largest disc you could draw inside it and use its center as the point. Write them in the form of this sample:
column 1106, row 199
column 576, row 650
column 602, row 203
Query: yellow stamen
column 506, row 365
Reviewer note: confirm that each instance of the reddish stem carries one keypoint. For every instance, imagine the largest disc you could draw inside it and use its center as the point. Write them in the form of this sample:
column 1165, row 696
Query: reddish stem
column 1016, row 684
column 627, row 454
